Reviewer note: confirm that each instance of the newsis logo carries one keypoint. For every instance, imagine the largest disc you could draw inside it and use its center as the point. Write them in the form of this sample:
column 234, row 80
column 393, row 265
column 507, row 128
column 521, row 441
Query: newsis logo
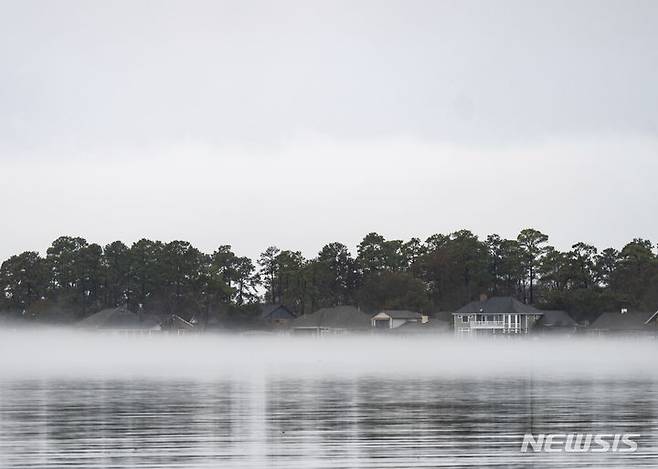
column 580, row 443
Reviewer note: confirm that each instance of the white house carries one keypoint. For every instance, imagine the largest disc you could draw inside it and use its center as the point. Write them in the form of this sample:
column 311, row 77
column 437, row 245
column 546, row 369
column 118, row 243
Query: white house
column 391, row 319
column 331, row 321
column 494, row 316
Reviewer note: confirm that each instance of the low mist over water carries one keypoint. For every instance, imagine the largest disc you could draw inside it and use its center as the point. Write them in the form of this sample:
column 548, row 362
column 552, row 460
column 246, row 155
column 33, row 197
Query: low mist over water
column 81, row 355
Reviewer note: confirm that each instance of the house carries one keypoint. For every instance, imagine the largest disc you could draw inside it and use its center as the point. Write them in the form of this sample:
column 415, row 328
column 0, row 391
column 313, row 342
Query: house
column 174, row 324
column 555, row 322
column 495, row 316
column 652, row 322
column 432, row 326
column 275, row 314
column 390, row 319
column 120, row 320
column 625, row 323
column 329, row 321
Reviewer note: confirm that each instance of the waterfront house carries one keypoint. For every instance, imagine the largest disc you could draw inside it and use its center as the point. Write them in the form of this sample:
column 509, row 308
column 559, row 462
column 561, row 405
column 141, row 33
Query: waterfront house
column 119, row 320
column 331, row 321
column 433, row 326
column 275, row 314
column 555, row 322
column 495, row 316
column 391, row 319
column 625, row 323
column 174, row 324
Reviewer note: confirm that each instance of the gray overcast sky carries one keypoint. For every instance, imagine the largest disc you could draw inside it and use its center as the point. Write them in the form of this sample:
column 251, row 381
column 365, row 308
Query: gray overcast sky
column 301, row 123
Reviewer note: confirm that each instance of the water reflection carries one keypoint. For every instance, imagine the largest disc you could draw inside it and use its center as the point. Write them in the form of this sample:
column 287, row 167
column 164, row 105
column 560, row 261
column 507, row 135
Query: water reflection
column 321, row 422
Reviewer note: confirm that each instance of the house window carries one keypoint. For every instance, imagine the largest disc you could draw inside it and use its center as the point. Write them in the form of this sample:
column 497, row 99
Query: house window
column 464, row 318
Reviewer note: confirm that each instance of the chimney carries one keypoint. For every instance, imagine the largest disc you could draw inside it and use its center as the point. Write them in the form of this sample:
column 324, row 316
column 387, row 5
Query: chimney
column 483, row 297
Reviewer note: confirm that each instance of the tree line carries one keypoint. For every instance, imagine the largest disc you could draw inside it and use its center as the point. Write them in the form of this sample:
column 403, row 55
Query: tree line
column 77, row 278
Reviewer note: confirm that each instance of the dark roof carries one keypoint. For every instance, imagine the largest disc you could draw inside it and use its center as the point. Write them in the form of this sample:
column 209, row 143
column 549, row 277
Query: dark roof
column 433, row 326
column 443, row 316
column 113, row 318
column 499, row 305
column 175, row 322
column 401, row 314
column 150, row 321
column 275, row 311
column 630, row 321
column 338, row 317
column 552, row 318
column 653, row 317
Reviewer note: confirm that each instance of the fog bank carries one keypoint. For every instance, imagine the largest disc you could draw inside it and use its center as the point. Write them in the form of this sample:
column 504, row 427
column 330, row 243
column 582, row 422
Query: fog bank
column 65, row 354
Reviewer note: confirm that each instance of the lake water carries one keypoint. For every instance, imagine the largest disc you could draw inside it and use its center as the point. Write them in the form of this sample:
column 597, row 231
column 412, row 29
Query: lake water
column 281, row 418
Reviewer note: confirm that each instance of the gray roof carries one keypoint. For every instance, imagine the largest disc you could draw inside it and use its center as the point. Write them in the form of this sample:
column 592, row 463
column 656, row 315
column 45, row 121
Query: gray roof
column 630, row 321
column 498, row 305
column 150, row 321
column 113, row 318
column 443, row 316
column 338, row 317
column 653, row 317
column 554, row 318
column 434, row 326
column 175, row 322
column 275, row 311
column 401, row 314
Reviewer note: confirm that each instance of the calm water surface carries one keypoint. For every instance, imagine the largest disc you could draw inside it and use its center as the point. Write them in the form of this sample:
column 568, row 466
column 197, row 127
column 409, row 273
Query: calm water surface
column 317, row 422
